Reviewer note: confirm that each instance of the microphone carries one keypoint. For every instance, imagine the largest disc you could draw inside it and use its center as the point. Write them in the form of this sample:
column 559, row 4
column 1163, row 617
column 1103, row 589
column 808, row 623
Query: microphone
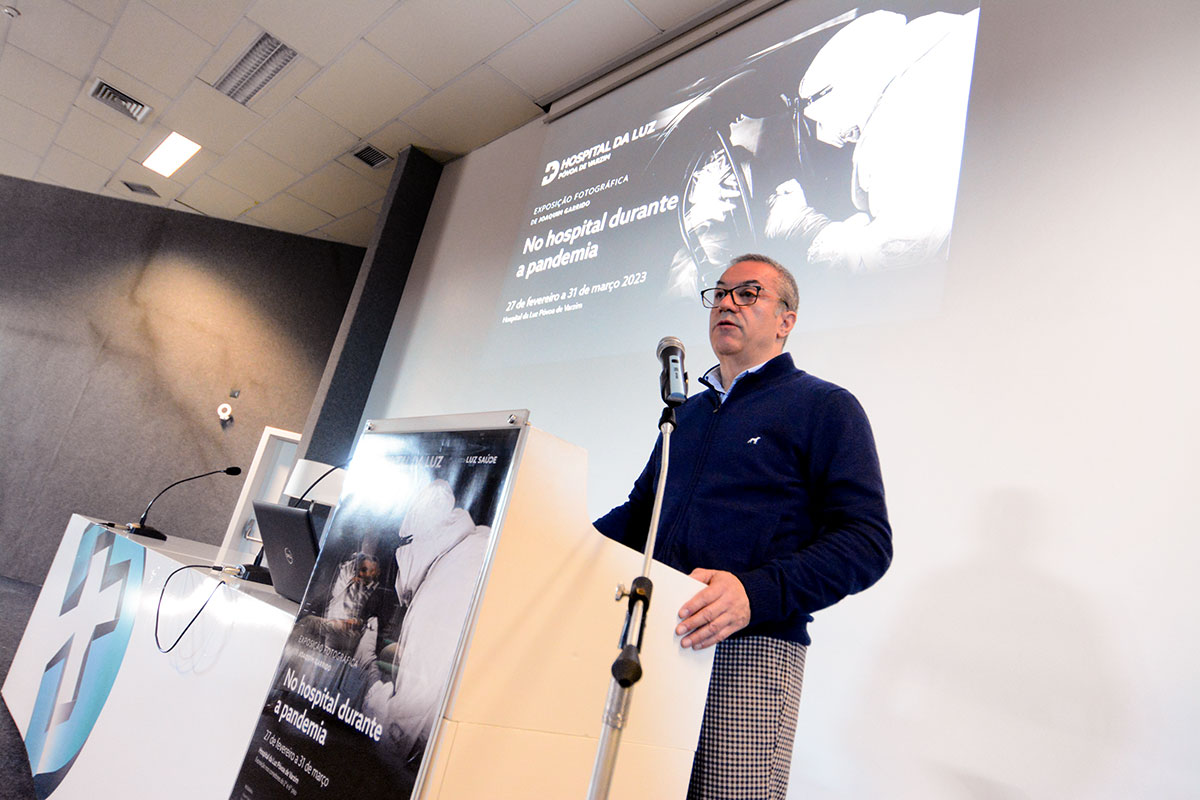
column 673, row 380
column 142, row 529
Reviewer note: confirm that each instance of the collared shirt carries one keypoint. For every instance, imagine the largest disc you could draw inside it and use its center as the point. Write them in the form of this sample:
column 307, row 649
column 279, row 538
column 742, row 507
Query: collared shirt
column 712, row 379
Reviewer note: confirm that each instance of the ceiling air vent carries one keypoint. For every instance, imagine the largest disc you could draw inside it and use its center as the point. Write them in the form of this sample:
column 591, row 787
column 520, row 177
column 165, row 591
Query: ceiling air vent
column 119, row 101
column 141, row 188
column 265, row 59
column 372, row 156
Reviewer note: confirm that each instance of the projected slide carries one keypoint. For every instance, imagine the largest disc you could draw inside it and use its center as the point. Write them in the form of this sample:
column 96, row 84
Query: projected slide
column 831, row 143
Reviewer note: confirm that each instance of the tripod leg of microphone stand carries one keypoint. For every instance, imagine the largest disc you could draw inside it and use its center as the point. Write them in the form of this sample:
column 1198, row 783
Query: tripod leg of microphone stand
column 616, row 711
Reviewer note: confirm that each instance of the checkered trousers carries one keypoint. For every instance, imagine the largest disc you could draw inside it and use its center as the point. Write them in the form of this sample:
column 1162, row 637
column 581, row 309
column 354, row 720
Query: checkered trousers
column 745, row 748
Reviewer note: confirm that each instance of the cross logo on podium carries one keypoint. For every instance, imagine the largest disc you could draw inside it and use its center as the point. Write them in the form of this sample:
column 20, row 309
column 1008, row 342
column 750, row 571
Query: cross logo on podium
column 93, row 614
column 89, row 638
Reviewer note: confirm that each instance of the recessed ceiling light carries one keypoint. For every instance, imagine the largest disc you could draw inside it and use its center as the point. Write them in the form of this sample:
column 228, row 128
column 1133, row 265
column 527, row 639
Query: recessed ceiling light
column 265, row 59
column 171, row 154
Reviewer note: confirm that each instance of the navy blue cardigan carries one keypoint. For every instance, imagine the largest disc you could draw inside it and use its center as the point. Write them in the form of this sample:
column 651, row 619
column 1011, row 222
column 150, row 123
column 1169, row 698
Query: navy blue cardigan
column 779, row 485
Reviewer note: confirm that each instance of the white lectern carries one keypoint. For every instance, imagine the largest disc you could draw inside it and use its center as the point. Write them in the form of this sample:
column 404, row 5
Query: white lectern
column 525, row 711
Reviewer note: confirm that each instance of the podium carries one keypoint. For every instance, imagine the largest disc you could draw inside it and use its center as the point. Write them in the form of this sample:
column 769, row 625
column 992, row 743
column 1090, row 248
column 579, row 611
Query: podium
column 525, row 711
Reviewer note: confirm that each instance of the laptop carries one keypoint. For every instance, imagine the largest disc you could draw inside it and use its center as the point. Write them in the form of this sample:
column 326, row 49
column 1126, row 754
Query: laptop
column 290, row 544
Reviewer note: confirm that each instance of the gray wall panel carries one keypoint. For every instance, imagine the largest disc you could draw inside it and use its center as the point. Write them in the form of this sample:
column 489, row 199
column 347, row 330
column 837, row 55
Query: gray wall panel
column 122, row 328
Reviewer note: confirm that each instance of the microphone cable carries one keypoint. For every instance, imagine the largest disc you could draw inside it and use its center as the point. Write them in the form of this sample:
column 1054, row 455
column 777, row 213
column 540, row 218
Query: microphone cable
column 163, row 593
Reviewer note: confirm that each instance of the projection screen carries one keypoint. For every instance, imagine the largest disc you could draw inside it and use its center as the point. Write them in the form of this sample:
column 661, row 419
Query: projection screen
column 832, row 143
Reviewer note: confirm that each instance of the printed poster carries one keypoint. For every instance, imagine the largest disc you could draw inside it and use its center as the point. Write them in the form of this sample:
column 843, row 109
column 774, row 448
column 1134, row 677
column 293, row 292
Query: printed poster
column 364, row 674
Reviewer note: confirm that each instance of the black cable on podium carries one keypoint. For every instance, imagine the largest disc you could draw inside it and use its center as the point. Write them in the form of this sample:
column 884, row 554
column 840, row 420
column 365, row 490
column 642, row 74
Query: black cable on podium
column 196, row 616
column 627, row 668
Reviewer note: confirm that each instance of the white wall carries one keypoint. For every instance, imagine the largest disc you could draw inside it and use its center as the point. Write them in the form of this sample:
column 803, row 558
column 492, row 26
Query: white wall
column 1035, row 636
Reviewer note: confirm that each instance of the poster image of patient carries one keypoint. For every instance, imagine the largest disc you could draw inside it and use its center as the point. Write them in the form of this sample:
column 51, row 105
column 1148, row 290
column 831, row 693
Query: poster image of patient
column 365, row 670
column 828, row 136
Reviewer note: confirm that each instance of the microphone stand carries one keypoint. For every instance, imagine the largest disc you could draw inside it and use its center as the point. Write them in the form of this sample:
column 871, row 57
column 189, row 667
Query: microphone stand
column 627, row 669
column 140, row 527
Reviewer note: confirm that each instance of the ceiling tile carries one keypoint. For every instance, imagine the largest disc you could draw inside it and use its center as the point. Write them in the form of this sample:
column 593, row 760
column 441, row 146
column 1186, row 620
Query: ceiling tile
column 95, row 140
column 286, row 213
column 40, row 178
column 396, row 136
column 73, row 171
column 210, row 119
column 317, row 28
column 211, row 19
column 107, row 10
column 154, row 48
column 355, row 229
column 538, row 10
column 245, row 220
column 17, row 162
column 215, row 199
column 550, row 56
column 667, row 14
column 27, row 129
column 175, row 205
column 294, row 156
column 151, row 139
column 438, row 39
column 124, row 82
column 284, row 86
column 302, row 137
column 232, row 47
column 134, row 172
column 472, row 111
column 35, row 84
column 258, row 174
column 337, row 190
column 59, row 33
column 363, row 90
column 193, row 168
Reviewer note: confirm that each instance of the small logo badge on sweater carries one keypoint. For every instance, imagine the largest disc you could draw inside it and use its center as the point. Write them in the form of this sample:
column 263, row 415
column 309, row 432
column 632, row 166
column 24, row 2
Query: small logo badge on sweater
column 753, row 440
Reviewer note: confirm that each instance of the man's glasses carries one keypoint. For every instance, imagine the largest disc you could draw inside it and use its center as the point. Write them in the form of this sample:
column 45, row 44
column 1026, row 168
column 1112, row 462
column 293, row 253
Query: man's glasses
column 740, row 295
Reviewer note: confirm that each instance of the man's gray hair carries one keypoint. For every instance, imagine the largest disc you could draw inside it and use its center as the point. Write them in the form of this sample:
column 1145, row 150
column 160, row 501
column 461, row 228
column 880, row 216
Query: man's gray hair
column 789, row 294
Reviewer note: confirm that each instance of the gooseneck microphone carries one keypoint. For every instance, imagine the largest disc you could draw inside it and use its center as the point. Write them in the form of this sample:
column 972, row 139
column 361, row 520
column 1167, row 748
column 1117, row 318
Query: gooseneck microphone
column 673, row 380
column 142, row 529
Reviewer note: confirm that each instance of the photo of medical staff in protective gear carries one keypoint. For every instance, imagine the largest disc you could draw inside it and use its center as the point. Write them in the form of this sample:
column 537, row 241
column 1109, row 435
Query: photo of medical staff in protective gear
column 831, row 138
column 364, row 674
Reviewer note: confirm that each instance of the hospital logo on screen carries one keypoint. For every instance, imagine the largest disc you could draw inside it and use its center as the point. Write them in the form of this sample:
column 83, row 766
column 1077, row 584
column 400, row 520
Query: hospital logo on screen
column 89, row 638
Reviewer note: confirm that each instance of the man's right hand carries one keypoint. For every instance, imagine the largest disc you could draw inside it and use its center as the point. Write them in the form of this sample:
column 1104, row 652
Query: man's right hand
column 720, row 609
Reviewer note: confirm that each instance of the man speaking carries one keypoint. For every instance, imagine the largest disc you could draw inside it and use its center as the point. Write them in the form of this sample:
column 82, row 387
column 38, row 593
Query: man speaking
column 774, row 500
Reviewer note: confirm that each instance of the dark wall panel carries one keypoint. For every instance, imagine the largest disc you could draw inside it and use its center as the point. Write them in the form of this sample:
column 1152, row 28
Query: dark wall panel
column 122, row 328
column 332, row 426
